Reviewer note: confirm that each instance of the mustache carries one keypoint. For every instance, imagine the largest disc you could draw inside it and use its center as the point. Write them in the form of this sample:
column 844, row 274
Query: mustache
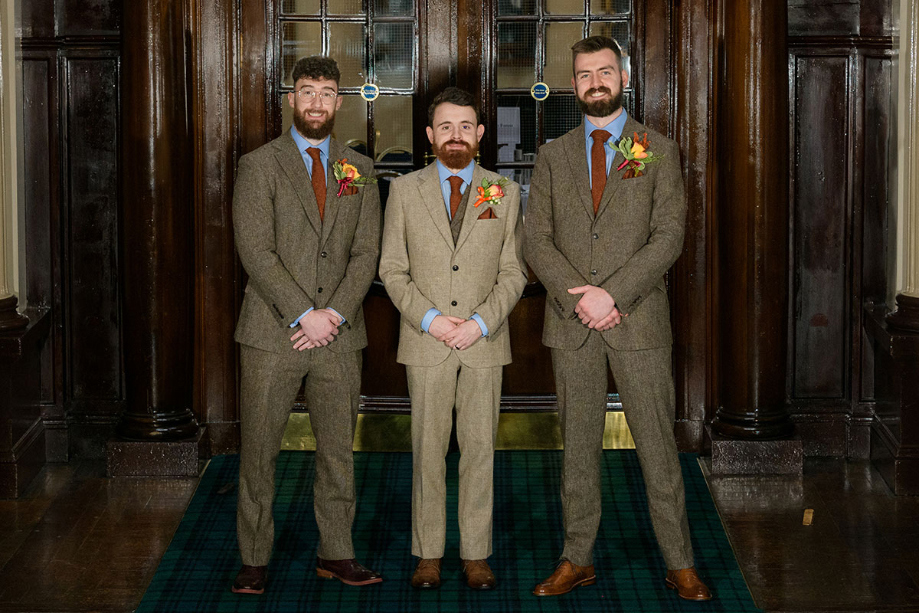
column 458, row 142
column 602, row 89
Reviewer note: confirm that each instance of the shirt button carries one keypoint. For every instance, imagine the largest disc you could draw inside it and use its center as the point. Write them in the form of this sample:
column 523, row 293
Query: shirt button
column 453, row 303
column 593, row 272
column 319, row 290
column 455, row 267
column 323, row 254
column 596, row 236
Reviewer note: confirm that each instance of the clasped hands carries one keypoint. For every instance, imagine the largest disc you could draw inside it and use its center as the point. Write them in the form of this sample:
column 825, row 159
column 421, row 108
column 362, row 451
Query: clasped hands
column 316, row 329
column 455, row 332
column 596, row 308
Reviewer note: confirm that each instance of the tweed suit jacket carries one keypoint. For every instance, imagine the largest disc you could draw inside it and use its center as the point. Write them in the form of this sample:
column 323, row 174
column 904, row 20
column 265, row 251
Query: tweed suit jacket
column 626, row 248
column 421, row 268
column 294, row 260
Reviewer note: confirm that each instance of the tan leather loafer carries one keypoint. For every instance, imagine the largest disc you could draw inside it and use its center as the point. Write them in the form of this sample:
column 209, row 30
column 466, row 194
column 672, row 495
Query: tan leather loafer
column 427, row 574
column 687, row 584
column 565, row 578
column 479, row 575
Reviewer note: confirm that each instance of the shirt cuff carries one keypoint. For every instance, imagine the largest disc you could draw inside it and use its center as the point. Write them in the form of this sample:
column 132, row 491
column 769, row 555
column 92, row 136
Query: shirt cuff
column 481, row 323
column 340, row 316
column 296, row 321
column 428, row 318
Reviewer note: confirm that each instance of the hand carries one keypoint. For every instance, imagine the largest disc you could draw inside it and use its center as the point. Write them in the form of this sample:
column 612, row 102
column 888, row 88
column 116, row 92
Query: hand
column 611, row 321
column 463, row 336
column 594, row 306
column 442, row 325
column 317, row 329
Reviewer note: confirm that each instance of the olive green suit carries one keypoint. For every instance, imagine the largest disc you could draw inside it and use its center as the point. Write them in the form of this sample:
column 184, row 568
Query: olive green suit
column 626, row 248
column 296, row 261
column 474, row 267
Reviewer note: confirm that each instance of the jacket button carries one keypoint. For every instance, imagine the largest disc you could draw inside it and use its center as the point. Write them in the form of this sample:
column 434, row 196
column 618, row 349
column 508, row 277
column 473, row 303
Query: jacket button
column 593, row 272
column 453, row 303
column 319, row 290
column 455, row 267
column 596, row 236
column 323, row 254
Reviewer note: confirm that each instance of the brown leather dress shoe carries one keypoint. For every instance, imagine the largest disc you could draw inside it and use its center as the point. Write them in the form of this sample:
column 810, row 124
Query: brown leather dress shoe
column 427, row 574
column 565, row 578
column 250, row 580
column 479, row 575
column 687, row 584
column 349, row 572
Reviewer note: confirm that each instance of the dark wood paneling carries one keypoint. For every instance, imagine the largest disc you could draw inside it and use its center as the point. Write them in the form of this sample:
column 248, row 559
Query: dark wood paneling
column 92, row 274
column 824, row 17
column 88, row 17
column 37, row 18
column 821, row 202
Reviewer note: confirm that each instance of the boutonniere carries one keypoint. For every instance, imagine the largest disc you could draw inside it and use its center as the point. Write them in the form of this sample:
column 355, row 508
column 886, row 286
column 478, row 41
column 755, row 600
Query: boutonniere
column 636, row 155
column 491, row 191
column 348, row 177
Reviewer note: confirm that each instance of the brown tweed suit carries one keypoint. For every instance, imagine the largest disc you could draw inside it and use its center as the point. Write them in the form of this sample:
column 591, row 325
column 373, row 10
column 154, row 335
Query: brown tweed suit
column 480, row 271
column 626, row 249
column 294, row 262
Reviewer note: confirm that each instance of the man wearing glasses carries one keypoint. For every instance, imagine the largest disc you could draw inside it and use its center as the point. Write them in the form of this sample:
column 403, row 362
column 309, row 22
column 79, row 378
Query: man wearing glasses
column 310, row 250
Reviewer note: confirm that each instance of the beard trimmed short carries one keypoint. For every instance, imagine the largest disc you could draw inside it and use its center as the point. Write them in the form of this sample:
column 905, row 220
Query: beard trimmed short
column 600, row 108
column 456, row 159
column 319, row 132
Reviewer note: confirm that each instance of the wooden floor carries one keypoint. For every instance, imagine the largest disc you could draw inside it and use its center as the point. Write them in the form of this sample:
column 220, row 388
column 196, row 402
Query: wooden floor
column 77, row 541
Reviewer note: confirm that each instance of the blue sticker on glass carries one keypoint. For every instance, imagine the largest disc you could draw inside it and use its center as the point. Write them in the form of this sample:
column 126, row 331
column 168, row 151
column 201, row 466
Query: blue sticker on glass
column 369, row 92
column 539, row 91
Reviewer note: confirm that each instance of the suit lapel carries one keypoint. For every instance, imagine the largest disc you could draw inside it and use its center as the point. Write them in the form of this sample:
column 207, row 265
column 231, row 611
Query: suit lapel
column 576, row 152
column 291, row 161
column 433, row 198
column 472, row 213
column 332, row 201
column 614, row 180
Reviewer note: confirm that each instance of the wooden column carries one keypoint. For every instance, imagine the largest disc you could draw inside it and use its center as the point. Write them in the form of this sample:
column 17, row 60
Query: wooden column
column 158, row 221
column 752, row 220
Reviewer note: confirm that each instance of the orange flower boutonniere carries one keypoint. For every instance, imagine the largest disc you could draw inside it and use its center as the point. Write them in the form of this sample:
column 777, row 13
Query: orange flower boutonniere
column 637, row 155
column 347, row 176
column 490, row 191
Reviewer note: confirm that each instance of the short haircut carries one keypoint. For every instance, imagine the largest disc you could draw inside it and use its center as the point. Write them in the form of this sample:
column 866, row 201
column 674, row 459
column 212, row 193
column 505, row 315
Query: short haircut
column 453, row 95
column 316, row 67
column 592, row 44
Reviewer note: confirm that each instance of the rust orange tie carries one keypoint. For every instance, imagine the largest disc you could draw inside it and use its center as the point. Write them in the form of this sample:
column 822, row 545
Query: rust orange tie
column 598, row 166
column 318, row 179
column 455, row 194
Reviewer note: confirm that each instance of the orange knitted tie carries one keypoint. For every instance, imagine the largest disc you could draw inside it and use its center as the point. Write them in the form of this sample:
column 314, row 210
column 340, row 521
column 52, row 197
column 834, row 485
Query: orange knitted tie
column 455, row 194
column 318, row 180
column 598, row 166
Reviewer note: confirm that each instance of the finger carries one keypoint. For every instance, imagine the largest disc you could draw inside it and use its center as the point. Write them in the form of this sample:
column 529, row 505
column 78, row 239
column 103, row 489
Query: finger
column 455, row 320
column 579, row 290
column 297, row 334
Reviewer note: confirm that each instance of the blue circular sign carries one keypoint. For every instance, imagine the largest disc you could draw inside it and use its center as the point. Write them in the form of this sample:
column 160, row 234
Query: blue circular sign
column 369, row 92
column 539, row 91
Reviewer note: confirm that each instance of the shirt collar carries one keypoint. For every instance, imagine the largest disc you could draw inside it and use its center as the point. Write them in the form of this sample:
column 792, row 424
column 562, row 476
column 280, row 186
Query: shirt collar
column 303, row 144
column 465, row 174
column 614, row 127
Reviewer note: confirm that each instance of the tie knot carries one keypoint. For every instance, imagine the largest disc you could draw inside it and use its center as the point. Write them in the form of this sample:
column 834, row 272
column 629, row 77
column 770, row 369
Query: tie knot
column 600, row 136
column 314, row 153
column 455, row 183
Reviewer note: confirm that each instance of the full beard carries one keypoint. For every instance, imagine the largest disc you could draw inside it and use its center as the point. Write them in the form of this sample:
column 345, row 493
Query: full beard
column 600, row 108
column 456, row 158
column 310, row 130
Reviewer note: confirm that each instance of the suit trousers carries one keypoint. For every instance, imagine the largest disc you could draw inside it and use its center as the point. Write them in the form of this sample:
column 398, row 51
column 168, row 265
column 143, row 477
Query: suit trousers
column 645, row 385
column 270, row 382
column 476, row 393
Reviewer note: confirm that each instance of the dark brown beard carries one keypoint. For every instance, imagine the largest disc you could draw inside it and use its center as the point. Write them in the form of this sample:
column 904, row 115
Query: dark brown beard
column 307, row 131
column 456, row 159
column 600, row 108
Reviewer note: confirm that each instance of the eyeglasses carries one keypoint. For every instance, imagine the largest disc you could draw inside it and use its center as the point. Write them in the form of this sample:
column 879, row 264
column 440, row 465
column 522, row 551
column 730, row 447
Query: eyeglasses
column 308, row 95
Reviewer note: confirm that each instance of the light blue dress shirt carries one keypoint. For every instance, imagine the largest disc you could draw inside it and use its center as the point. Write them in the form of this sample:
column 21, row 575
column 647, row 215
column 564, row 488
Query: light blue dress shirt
column 302, row 146
column 466, row 175
column 615, row 128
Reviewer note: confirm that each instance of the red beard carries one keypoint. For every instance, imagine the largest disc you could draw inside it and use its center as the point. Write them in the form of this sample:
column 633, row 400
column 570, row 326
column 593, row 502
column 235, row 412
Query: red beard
column 600, row 108
column 456, row 158
column 311, row 130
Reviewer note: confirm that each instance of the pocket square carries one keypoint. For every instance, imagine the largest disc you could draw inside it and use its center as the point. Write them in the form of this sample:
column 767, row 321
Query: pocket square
column 349, row 191
column 488, row 214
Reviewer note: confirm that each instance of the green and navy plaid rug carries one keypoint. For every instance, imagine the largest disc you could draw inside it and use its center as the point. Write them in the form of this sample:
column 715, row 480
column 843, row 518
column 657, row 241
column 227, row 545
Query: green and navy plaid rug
column 196, row 572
